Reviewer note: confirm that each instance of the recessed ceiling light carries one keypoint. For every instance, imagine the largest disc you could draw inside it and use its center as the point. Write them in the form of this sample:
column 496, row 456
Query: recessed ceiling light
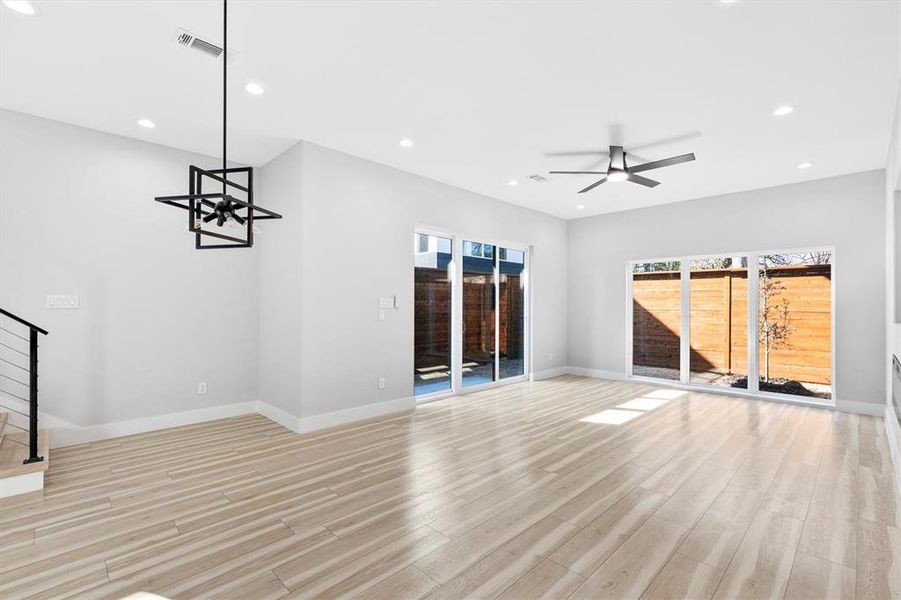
column 580, row 206
column 254, row 88
column 146, row 123
column 728, row 1
column 783, row 110
column 805, row 165
column 512, row 182
column 406, row 143
column 20, row 6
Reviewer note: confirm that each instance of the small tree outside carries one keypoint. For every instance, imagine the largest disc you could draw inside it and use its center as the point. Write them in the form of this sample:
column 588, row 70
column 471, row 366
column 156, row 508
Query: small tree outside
column 774, row 324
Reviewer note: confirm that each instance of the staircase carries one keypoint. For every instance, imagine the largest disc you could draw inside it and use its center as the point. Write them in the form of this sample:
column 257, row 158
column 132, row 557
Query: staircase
column 24, row 449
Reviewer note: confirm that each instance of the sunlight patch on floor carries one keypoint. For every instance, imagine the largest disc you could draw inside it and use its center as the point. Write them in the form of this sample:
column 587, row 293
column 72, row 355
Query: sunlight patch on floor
column 633, row 408
column 665, row 394
column 611, row 416
column 643, row 404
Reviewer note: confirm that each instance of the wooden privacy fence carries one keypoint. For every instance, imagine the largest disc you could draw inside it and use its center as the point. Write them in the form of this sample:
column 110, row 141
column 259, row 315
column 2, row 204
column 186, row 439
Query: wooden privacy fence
column 432, row 312
column 718, row 319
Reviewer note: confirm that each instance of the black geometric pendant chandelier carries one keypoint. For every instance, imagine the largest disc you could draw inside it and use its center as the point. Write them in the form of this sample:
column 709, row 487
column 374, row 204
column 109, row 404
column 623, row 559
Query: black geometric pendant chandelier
column 234, row 205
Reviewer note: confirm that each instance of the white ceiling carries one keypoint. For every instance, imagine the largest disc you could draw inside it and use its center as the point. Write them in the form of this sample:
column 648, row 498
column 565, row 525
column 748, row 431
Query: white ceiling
column 488, row 91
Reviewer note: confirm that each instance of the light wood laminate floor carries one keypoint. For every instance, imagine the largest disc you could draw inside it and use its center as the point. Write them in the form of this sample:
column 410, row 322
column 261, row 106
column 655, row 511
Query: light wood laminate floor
column 528, row 491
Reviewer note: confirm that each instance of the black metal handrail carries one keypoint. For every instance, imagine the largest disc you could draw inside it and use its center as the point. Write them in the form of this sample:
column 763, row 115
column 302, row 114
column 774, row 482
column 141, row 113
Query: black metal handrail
column 33, row 331
column 28, row 324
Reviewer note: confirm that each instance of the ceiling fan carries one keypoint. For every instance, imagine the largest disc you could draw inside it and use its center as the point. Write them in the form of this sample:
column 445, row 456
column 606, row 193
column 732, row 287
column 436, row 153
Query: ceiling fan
column 618, row 170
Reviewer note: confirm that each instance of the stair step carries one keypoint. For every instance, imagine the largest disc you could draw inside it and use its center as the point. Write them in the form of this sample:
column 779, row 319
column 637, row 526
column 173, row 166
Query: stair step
column 14, row 450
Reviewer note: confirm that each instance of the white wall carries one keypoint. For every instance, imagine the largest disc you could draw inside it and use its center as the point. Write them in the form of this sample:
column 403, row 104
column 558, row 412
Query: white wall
column 845, row 212
column 77, row 216
column 281, row 282
column 357, row 219
column 893, row 262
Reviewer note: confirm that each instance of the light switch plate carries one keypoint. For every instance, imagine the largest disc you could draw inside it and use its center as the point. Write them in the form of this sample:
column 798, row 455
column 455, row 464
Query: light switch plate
column 387, row 301
column 62, row 301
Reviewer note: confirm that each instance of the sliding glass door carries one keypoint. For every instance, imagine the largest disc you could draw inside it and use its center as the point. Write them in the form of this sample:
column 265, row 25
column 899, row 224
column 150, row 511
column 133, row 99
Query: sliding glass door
column 656, row 324
column 760, row 322
column 511, row 312
column 479, row 315
column 471, row 314
column 432, row 302
column 719, row 321
column 794, row 341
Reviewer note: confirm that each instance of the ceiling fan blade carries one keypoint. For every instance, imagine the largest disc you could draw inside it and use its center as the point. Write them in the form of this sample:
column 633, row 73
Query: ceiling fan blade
column 666, row 162
column 594, row 185
column 643, row 181
column 578, row 153
column 210, row 217
column 578, row 172
column 238, row 218
column 673, row 139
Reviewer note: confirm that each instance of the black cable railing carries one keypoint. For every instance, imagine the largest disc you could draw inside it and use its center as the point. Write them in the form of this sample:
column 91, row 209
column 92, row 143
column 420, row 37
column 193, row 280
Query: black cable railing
column 20, row 372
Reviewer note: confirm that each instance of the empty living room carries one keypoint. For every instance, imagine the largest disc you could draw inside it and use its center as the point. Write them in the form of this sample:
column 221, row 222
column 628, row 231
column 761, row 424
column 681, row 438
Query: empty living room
column 450, row 299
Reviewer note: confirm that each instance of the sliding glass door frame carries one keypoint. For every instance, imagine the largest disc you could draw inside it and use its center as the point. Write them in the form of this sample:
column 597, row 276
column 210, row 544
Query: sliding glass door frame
column 456, row 272
column 753, row 389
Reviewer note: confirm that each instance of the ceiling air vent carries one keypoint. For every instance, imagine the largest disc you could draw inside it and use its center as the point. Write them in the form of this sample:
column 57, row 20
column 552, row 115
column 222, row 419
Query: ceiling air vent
column 187, row 39
column 537, row 178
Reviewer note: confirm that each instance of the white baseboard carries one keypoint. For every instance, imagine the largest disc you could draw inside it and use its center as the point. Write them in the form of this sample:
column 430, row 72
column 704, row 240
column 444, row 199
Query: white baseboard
column 357, row 413
column 280, row 416
column 597, row 373
column 893, row 432
column 548, row 373
column 860, row 408
column 21, row 484
column 68, row 436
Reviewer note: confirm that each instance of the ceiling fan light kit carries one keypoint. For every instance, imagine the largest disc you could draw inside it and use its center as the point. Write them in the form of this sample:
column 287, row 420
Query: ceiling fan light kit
column 225, row 206
column 618, row 170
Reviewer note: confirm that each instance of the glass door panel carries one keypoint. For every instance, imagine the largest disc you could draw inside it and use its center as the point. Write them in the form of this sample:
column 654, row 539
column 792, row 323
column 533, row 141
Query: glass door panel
column 511, row 311
column 656, row 319
column 432, row 314
column 794, row 325
column 479, row 316
column 719, row 321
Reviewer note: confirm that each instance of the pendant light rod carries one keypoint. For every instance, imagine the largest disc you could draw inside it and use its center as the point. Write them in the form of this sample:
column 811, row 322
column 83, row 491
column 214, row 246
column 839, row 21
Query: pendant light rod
column 224, row 92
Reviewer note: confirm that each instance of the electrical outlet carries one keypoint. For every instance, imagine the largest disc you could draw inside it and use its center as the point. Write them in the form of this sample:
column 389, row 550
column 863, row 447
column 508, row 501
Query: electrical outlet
column 550, row 356
column 201, row 387
column 381, row 383
column 381, row 314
